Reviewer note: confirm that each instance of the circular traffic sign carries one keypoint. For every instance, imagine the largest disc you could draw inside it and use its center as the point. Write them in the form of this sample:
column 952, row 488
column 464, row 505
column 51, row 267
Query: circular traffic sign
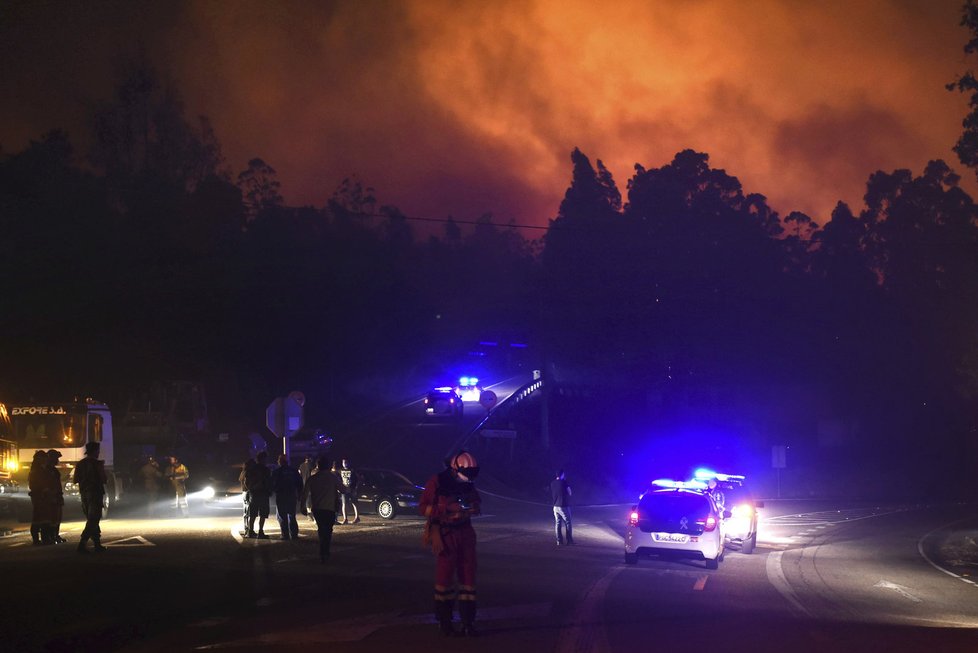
column 487, row 399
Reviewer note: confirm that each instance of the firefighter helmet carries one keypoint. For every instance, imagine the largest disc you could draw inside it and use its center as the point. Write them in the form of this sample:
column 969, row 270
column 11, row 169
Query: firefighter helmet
column 465, row 465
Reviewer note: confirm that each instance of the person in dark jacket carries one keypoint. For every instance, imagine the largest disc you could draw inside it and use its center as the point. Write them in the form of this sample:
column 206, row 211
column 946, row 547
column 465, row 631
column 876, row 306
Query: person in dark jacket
column 152, row 479
column 287, row 486
column 57, row 496
column 561, row 493
column 90, row 478
column 39, row 486
column 259, row 486
column 322, row 490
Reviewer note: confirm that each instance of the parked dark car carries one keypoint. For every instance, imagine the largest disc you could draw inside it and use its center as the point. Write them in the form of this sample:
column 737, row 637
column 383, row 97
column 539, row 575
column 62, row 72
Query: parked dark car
column 386, row 492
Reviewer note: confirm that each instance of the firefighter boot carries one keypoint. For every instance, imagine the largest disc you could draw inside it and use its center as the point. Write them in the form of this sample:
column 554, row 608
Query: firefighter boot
column 466, row 611
column 35, row 534
column 443, row 613
column 97, row 542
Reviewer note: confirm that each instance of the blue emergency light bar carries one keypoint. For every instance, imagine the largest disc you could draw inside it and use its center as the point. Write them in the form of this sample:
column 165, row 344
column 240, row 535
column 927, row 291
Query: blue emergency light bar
column 468, row 380
column 679, row 485
column 703, row 474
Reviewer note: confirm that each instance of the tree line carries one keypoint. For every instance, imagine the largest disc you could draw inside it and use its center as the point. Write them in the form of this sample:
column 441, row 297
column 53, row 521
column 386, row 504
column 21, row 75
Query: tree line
column 147, row 258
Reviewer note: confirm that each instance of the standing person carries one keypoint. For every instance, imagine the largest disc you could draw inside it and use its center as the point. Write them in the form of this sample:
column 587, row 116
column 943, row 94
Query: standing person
column 449, row 501
column 306, row 470
column 259, row 483
column 178, row 474
column 90, row 479
column 348, row 496
column 57, row 496
column 322, row 488
column 152, row 478
column 287, row 485
column 561, row 491
column 40, row 491
column 246, row 473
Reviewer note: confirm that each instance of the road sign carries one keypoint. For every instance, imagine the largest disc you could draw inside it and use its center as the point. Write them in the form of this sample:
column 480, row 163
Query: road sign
column 298, row 397
column 487, row 399
column 283, row 417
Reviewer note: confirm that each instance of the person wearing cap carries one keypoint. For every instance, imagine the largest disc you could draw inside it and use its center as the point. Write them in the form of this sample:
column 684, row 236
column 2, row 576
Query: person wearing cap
column 57, row 496
column 40, row 492
column 90, row 478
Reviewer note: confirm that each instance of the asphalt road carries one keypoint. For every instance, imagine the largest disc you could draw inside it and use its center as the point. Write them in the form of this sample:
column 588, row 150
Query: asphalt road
column 825, row 577
column 844, row 578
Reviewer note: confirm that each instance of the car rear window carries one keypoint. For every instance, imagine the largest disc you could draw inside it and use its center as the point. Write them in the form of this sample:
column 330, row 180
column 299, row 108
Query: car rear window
column 673, row 511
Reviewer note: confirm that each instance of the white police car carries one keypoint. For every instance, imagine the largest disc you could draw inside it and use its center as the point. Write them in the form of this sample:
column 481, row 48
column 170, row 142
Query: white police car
column 739, row 507
column 676, row 518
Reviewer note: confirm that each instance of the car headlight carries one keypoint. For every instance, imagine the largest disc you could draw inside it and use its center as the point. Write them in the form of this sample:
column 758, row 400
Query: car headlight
column 743, row 511
column 207, row 492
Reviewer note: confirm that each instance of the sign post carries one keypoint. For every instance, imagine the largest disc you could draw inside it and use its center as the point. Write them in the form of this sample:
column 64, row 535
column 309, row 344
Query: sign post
column 284, row 416
column 779, row 460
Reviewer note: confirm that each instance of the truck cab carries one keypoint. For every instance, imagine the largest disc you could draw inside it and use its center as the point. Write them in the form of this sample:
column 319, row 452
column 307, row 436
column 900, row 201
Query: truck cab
column 66, row 427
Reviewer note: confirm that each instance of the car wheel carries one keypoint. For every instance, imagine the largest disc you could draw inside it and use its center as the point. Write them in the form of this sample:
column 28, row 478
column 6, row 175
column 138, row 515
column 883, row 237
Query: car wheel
column 386, row 508
column 713, row 563
column 749, row 543
column 720, row 557
column 631, row 558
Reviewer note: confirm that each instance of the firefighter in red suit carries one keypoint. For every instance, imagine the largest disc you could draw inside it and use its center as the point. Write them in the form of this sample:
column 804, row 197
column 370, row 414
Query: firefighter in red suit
column 449, row 502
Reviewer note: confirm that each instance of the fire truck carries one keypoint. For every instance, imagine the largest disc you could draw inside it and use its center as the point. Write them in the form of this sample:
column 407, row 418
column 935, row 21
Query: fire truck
column 66, row 427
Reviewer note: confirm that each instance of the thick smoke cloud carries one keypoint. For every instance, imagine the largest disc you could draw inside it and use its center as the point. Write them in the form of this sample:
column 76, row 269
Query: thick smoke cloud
column 472, row 107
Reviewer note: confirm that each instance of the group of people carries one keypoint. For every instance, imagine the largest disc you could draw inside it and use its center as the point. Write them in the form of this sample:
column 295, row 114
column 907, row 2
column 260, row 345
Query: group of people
column 293, row 494
column 175, row 474
column 448, row 503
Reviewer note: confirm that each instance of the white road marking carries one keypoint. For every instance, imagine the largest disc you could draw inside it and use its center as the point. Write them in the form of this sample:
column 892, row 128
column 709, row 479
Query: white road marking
column 587, row 634
column 135, row 540
column 899, row 589
column 775, row 575
column 920, row 550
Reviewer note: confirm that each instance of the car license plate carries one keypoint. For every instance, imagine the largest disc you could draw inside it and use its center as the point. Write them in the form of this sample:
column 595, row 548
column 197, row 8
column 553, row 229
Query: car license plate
column 680, row 538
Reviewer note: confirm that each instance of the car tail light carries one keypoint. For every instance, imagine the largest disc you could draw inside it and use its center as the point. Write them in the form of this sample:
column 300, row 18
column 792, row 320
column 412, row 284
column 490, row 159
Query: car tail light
column 709, row 523
column 633, row 517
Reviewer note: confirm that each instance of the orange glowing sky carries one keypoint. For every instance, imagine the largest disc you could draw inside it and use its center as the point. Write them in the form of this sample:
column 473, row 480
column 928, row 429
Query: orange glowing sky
column 463, row 107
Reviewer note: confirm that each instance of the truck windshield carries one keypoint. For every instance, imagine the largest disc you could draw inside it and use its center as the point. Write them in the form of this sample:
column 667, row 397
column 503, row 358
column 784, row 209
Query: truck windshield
column 47, row 427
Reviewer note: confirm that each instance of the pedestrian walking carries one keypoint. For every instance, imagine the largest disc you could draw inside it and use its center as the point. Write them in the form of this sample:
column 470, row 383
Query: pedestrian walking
column 306, row 469
column 348, row 493
column 448, row 503
column 90, row 479
column 57, row 496
column 287, row 486
column 560, row 490
column 246, row 471
column 322, row 490
column 258, row 479
column 178, row 474
column 152, row 479
column 41, row 494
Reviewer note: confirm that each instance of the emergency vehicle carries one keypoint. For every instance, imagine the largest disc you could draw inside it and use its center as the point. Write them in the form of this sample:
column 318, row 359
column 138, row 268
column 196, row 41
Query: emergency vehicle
column 676, row 518
column 66, row 427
